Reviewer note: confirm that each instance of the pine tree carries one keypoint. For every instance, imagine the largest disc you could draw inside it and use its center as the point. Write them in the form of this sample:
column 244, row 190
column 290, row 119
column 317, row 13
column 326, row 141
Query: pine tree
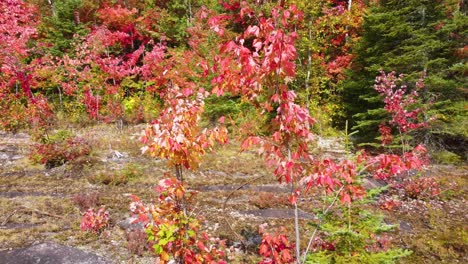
column 60, row 24
column 412, row 37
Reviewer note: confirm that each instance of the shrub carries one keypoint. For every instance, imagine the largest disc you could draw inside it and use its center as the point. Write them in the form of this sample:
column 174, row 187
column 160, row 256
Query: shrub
column 85, row 201
column 137, row 241
column 115, row 178
column 95, row 222
column 421, row 188
column 446, row 157
column 131, row 171
column 173, row 234
column 58, row 149
column 108, row 178
column 361, row 238
column 276, row 247
column 389, row 204
column 14, row 115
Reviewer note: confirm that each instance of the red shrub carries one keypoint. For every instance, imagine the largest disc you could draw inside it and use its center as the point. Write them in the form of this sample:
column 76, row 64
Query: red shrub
column 276, row 248
column 421, row 188
column 95, row 222
column 54, row 154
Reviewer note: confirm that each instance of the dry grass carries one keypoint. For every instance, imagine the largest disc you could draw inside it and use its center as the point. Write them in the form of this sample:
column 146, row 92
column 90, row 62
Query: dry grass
column 37, row 196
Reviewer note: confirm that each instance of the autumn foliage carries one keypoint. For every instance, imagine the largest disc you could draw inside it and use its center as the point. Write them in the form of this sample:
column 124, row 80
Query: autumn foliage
column 95, row 221
column 276, row 247
column 172, row 232
column 243, row 49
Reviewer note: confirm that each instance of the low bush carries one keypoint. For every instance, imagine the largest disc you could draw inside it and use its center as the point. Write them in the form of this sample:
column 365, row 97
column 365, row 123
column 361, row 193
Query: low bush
column 137, row 241
column 361, row 237
column 174, row 235
column 85, row 201
column 108, row 178
column 128, row 173
column 276, row 247
column 59, row 148
column 95, row 222
column 446, row 157
column 421, row 188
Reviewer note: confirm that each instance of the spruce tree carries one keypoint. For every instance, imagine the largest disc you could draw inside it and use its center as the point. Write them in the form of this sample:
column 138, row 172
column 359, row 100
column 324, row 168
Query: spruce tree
column 412, row 37
column 60, row 25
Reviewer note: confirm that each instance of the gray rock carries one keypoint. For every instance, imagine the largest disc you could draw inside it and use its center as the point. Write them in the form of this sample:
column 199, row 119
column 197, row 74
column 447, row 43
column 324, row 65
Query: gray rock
column 4, row 156
column 371, row 183
column 127, row 224
column 50, row 253
column 405, row 226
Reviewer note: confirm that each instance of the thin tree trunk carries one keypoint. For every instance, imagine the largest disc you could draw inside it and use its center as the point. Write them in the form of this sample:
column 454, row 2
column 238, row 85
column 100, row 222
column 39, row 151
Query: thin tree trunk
column 76, row 16
column 178, row 170
column 51, row 3
column 296, row 217
column 60, row 97
column 298, row 235
column 309, row 62
column 350, row 4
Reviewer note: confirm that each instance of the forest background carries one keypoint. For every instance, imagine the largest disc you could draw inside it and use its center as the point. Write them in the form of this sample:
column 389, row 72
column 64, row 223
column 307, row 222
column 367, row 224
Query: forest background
column 85, row 60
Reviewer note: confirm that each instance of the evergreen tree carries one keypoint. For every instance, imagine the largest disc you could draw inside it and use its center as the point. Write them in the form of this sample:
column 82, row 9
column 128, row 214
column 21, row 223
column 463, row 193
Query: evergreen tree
column 412, row 37
column 60, row 24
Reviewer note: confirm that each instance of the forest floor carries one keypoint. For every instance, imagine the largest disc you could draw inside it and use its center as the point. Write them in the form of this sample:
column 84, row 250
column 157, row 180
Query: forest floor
column 236, row 193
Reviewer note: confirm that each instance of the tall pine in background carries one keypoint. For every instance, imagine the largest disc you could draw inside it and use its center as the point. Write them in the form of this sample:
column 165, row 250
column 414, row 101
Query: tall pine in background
column 61, row 22
column 413, row 37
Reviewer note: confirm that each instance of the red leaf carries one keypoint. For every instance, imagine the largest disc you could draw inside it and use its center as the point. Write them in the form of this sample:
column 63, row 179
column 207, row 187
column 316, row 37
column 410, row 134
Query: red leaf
column 345, row 199
column 201, row 246
column 221, row 120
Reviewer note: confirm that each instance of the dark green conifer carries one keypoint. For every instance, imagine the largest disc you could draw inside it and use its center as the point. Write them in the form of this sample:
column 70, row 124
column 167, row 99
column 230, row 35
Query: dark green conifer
column 412, row 37
column 60, row 26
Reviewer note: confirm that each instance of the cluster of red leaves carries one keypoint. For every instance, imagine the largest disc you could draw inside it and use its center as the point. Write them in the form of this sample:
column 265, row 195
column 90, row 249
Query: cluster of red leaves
column 13, row 114
column 96, row 75
column 398, row 102
column 386, row 136
column 337, row 28
column 95, row 222
column 384, row 166
column 276, row 248
column 57, row 153
column 40, row 113
column 333, row 176
column 16, row 112
column 320, row 244
column 389, row 204
column 117, row 50
column 245, row 64
column 172, row 233
column 137, row 241
column 421, row 188
column 18, row 26
column 86, row 201
column 19, row 106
